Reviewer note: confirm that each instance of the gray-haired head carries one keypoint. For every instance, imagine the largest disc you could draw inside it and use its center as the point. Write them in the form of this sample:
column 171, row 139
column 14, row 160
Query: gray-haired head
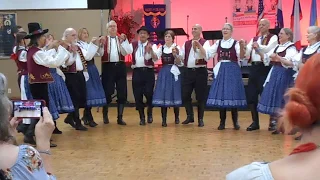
column 229, row 25
column 5, row 110
column 67, row 32
column 70, row 35
column 112, row 28
column 316, row 31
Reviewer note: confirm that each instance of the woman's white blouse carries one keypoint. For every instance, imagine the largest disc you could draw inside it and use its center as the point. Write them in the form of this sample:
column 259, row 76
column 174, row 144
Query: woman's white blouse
column 166, row 49
column 253, row 171
column 290, row 53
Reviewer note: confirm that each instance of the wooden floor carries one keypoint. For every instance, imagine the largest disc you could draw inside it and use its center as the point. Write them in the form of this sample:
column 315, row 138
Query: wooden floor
column 153, row 152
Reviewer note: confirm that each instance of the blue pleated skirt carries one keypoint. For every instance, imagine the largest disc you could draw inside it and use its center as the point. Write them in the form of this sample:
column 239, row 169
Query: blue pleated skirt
column 52, row 108
column 272, row 98
column 59, row 93
column 95, row 93
column 167, row 92
column 227, row 89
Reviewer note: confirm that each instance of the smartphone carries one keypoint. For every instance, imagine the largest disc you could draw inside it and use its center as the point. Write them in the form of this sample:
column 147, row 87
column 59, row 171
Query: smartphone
column 26, row 110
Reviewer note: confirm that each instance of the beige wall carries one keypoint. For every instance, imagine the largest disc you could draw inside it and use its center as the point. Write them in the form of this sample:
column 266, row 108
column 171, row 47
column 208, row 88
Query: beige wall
column 56, row 22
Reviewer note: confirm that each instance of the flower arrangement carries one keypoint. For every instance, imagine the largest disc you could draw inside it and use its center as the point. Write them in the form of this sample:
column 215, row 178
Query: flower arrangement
column 126, row 25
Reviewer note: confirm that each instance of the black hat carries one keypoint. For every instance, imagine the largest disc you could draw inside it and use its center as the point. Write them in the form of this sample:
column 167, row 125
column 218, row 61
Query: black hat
column 35, row 29
column 143, row 28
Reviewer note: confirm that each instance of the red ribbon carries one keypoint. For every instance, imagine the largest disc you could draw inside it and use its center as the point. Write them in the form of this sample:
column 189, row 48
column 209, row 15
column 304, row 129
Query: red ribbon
column 13, row 56
column 304, row 148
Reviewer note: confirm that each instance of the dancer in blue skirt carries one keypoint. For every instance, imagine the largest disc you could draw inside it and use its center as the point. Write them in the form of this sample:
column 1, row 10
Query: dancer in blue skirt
column 227, row 89
column 167, row 92
column 280, row 77
column 313, row 39
column 95, row 93
column 60, row 100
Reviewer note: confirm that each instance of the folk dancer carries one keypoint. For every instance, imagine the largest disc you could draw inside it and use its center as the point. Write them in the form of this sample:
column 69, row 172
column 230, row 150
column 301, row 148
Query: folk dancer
column 60, row 100
column 313, row 38
column 19, row 56
column 143, row 77
column 280, row 77
column 76, row 73
column 167, row 92
column 114, row 72
column 227, row 89
column 195, row 74
column 95, row 93
column 258, row 71
column 39, row 62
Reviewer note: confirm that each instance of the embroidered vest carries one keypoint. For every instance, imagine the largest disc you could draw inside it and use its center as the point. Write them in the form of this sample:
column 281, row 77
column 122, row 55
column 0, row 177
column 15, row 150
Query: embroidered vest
column 37, row 73
column 305, row 57
column 106, row 55
column 227, row 54
column 188, row 46
column 73, row 68
column 264, row 42
column 167, row 58
column 147, row 62
column 281, row 54
column 22, row 66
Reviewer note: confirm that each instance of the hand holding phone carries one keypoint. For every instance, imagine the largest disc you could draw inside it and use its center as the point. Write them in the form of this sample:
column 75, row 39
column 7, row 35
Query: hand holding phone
column 44, row 128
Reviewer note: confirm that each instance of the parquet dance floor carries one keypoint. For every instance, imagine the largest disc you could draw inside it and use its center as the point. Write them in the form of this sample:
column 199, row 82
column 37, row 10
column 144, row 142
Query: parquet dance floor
column 152, row 152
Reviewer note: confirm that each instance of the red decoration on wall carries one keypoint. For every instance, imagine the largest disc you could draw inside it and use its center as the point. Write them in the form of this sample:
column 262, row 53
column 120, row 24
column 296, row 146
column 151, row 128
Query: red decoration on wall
column 126, row 25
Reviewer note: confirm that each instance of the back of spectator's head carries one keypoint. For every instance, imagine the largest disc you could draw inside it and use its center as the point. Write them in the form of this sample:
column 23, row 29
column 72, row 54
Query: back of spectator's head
column 5, row 108
column 303, row 107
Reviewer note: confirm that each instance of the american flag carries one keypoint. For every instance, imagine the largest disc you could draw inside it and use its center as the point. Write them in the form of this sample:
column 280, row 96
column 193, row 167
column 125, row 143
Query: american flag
column 260, row 14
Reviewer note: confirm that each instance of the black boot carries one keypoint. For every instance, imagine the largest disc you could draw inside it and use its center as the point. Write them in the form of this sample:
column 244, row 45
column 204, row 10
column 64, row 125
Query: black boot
column 120, row 114
column 272, row 124
column 85, row 117
column 223, row 116
column 56, row 130
column 69, row 120
column 164, row 116
column 190, row 115
column 76, row 117
column 176, row 115
column 234, row 114
column 142, row 117
column 90, row 118
column 105, row 114
column 200, row 114
column 255, row 118
column 149, row 112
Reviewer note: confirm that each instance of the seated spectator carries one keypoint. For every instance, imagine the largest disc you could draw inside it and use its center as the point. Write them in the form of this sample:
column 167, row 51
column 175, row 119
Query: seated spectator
column 301, row 111
column 23, row 162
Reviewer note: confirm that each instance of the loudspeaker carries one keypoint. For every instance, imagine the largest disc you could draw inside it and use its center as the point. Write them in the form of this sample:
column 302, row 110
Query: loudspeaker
column 102, row 4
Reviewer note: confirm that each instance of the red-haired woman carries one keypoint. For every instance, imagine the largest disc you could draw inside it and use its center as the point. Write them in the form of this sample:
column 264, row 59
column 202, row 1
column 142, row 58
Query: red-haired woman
column 302, row 111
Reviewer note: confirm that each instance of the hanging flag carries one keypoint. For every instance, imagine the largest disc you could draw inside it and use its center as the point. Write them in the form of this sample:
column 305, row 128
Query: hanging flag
column 280, row 22
column 260, row 14
column 313, row 14
column 296, row 16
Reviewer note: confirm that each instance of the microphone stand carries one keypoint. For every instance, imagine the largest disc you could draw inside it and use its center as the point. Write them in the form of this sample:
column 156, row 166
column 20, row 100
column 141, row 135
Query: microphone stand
column 188, row 27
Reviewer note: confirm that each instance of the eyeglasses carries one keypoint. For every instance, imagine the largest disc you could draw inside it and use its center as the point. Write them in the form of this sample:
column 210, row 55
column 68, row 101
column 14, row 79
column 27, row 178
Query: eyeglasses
column 227, row 29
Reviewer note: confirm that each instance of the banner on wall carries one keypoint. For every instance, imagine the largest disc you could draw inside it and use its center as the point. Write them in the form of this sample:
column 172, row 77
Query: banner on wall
column 245, row 12
column 7, row 23
column 155, row 20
